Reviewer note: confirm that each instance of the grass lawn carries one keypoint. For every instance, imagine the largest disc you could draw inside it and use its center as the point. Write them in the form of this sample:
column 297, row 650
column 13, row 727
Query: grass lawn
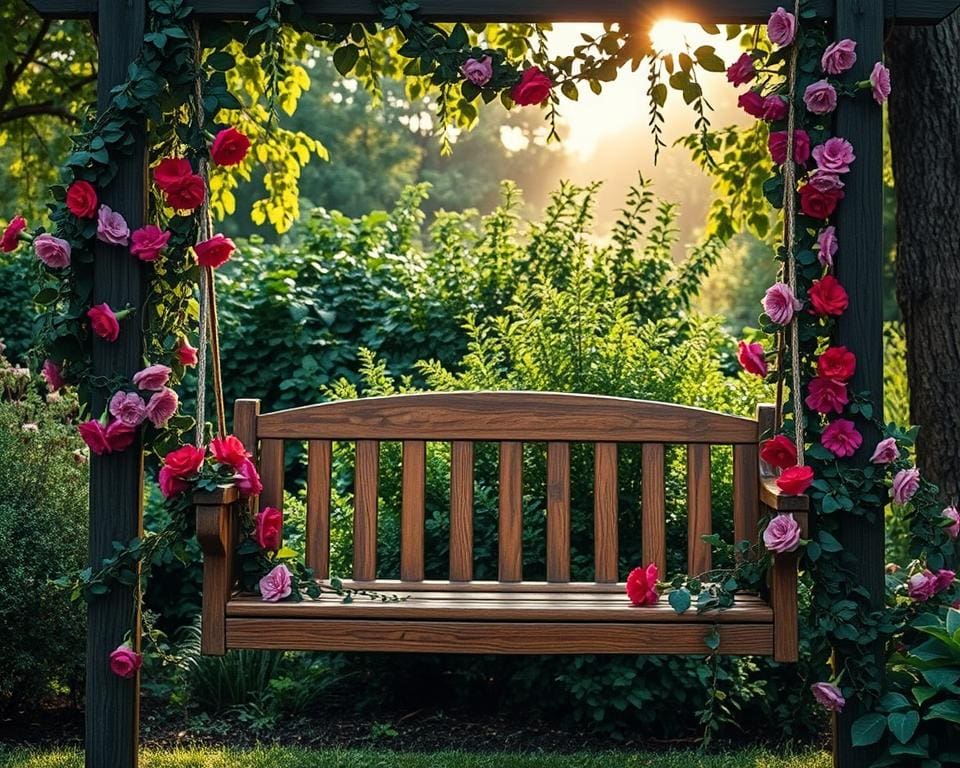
column 298, row 758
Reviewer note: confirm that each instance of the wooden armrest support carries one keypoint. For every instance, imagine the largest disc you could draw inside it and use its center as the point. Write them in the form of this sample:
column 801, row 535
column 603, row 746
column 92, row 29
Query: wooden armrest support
column 217, row 527
column 226, row 495
column 778, row 501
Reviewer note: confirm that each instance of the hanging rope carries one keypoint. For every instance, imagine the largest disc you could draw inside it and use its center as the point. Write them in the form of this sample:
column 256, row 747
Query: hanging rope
column 789, row 234
column 208, row 296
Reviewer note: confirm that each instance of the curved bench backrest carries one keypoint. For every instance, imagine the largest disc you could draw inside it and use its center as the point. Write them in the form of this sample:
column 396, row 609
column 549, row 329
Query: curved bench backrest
column 511, row 419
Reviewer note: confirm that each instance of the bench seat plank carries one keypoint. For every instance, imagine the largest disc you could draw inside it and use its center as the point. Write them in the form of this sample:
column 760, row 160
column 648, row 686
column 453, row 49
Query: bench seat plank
column 494, row 637
column 493, row 606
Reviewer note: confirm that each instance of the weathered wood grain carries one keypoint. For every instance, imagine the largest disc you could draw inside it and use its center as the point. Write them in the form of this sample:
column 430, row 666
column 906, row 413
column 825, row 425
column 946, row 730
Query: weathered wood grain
column 319, row 466
column 461, row 511
column 511, row 511
column 558, row 512
column 653, row 507
column 366, row 493
column 413, row 509
column 699, row 509
column 605, row 509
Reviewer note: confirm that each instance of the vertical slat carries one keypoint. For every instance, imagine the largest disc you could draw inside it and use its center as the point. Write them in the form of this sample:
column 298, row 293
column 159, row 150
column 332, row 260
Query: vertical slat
column 766, row 429
column 699, row 523
column 461, row 511
column 411, row 520
column 366, row 480
column 784, row 603
column 654, row 508
column 271, row 473
column 511, row 511
column 319, row 461
column 245, row 415
column 558, row 512
column 605, row 501
column 746, row 493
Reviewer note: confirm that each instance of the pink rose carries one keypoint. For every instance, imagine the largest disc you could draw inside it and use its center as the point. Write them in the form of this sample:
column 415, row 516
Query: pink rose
column 94, row 434
column 951, row 513
column 880, row 83
column 752, row 358
column 945, row 580
column 922, row 586
column 247, row 479
column 268, row 528
column 887, row 452
column 782, row 27
column 129, row 408
column 905, row 484
column 52, row 251
column 839, row 57
column 775, row 108
column 828, row 696
column 104, row 322
column 841, row 438
column 186, row 354
column 120, row 436
column 125, row 662
column 820, row 97
column 827, row 395
column 778, row 147
column 751, row 102
column 533, row 88
column 148, row 241
column 782, row 534
column 742, row 71
column 275, row 586
column 112, row 227
column 780, row 304
column 161, row 407
column 152, row 377
column 10, row 239
column 835, row 155
column 827, row 245
column 478, row 71
column 52, row 375
column 825, row 182
column 642, row 585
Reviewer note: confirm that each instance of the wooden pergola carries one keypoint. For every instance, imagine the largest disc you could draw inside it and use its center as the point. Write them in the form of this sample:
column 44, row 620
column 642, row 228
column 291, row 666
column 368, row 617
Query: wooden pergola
column 116, row 480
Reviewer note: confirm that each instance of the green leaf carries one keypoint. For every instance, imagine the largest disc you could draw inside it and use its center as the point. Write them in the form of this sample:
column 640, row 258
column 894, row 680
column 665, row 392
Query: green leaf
column 712, row 640
column 945, row 710
column 903, row 725
column 953, row 620
column 345, row 58
column 942, row 679
column 680, row 600
column 868, row 729
column 894, row 701
column 923, row 693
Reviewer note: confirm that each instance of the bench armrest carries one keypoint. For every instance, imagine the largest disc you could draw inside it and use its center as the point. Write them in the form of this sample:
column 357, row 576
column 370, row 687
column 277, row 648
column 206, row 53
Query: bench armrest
column 222, row 495
column 778, row 501
column 218, row 526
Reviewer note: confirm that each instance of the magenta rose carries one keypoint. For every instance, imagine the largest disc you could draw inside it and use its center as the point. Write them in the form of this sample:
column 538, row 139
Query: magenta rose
column 782, row 27
column 268, row 528
column 10, row 239
column 170, row 484
column 839, row 57
column 120, row 436
column 752, row 358
column 945, row 580
column 742, row 71
column 147, row 242
column 229, row 451
column 922, row 586
column 152, row 377
column 186, row 354
column 775, row 108
column 780, row 304
column 905, row 484
column 820, row 98
column 951, row 513
column 828, row 696
column 751, row 102
column 827, row 246
column 112, row 227
column 104, row 322
column 52, row 251
column 835, row 156
column 533, row 88
column 778, row 147
column 880, row 83
column 214, row 252
column 94, row 434
column 887, row 452
column 841, row 438
column 52, row 375
column 642, row 585
column 125, row 662
column 827, row 395
column 478, row 71
column 782, row 534
column 162, row 406
column 247, row 479
column 276, row 585
column 129, row 408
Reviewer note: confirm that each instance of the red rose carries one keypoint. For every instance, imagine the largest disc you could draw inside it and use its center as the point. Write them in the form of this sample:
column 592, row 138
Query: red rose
column 184, row 462
column 187, row 193
column 186, row 354
column 214, row 252
column 104, row 322
column 229, row 450
column 95, row 436
column 229, row 147
column 170, row 171
column 170, row 485
column 781, row 452
column 642, row 585
column 752, row 358
column 837, row 363
column 752, row 103
column 819, row 204
column 827, row 396
column 777, row 143
column 268, row 528
column 247, row 479
column 533, row 88
column 828, row 297
column 120, row 436
column 795, row 481
column 82, row 199
column 11, row 235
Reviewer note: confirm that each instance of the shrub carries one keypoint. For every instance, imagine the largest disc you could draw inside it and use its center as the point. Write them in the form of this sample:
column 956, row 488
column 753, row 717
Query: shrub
column 43, row 533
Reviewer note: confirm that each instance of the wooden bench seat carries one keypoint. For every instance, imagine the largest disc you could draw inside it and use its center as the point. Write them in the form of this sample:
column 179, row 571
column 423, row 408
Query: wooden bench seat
column 510, row 615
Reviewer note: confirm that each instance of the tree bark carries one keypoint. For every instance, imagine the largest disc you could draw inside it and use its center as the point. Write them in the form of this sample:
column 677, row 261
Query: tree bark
column 924, row 130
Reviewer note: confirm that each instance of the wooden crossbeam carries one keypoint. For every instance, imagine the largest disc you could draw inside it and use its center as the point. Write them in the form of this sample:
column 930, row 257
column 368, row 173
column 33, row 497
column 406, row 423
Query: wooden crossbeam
column 703, row 11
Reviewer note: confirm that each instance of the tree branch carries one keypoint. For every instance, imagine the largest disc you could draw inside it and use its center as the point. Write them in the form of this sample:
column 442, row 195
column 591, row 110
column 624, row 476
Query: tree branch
column 31, row 110
column 15, row 74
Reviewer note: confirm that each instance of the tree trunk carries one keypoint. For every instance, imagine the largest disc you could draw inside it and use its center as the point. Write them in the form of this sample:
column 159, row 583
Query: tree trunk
column 925, row 139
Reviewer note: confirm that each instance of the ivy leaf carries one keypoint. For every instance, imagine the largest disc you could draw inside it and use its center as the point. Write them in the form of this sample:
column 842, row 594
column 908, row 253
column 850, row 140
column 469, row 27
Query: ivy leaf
column 903, row 725
column 945, row 710
column 707, row 58
column 680, row 600
column 923, row 693
column 868, row 729
column 712, row 641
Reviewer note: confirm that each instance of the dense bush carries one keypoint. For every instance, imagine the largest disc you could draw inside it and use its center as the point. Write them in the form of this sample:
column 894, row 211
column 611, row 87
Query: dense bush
column 18, row 278
column 43, row 521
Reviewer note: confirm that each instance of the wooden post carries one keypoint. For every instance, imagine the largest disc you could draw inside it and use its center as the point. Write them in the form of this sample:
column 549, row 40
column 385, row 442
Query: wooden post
column 860, row 263
column 116, row 481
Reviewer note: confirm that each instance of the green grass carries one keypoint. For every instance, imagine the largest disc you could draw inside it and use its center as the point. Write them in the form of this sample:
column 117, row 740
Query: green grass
column 300, row 758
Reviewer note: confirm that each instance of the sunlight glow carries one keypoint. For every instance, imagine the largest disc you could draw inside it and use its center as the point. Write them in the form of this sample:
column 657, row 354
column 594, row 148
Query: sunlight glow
column 669, row 36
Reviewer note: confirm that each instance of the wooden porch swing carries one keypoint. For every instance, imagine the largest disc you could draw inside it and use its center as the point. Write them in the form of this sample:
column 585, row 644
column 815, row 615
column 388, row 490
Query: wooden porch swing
column 510, row 615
